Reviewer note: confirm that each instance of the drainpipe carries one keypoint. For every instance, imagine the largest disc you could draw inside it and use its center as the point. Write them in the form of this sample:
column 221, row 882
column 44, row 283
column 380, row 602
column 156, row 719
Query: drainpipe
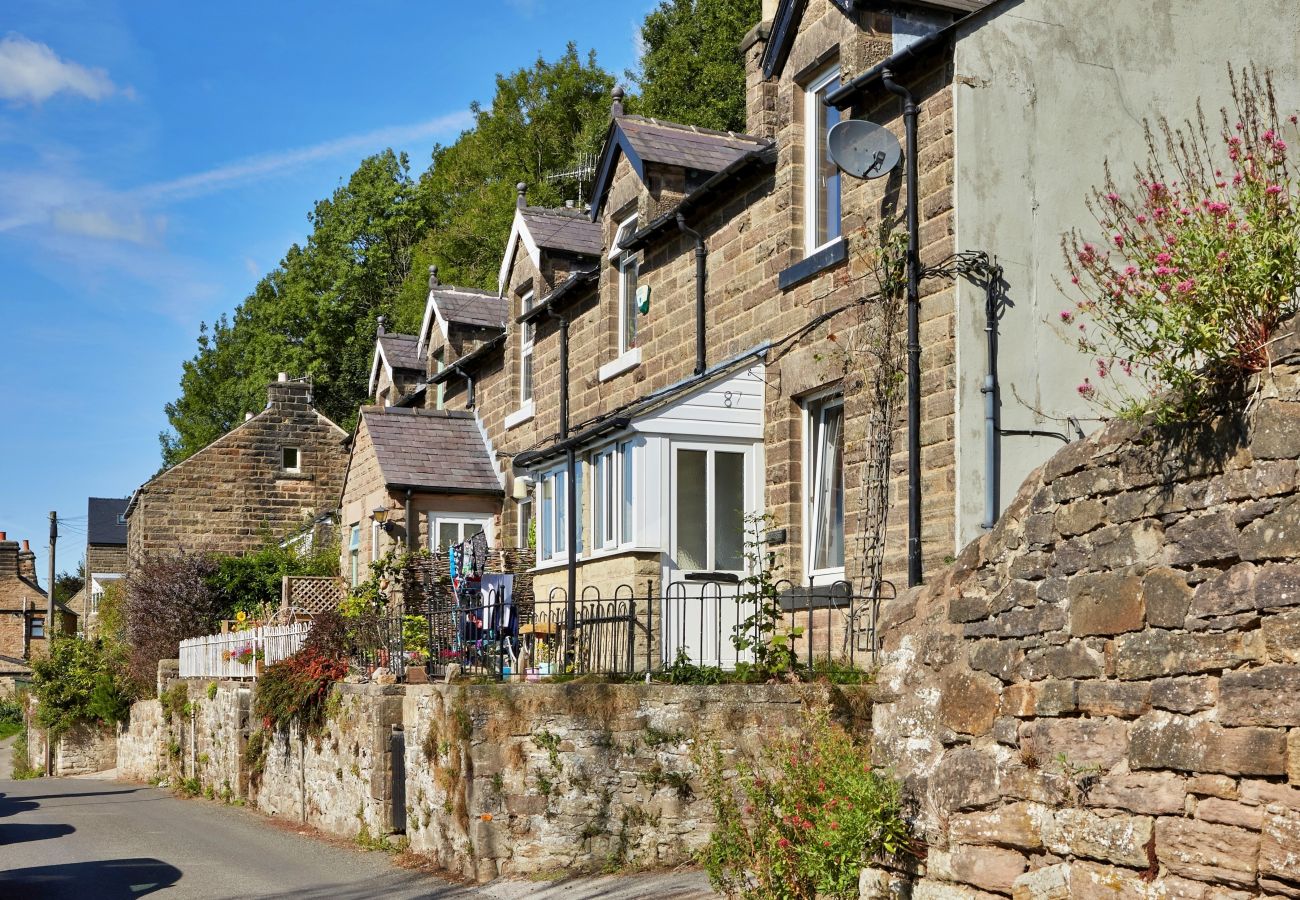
column 412, row 526
column 571, row 498
column 913, row 332
column 701, row 268
column 469, row 391
column 993, row 475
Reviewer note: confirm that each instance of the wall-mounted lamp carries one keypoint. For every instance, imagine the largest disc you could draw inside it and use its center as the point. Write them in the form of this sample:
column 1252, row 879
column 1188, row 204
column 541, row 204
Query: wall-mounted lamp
column 380, row 516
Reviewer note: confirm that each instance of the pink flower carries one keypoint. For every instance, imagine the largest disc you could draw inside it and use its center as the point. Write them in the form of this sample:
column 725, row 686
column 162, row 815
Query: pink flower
column 1113, row 197
column 1102, row 369
column 1222, row 255
column 1119, row 240
column 1066, row 316
column 1164, row 258
column 1087, row 390
column 1218, row 208
column 1171, row 240
column 783, row 843
column 1273, row 189
column 1294, row 118
column 1238, row 179
column 1185, row 287
column 1269, row 135
column 1141, row 220
column 1131, row 271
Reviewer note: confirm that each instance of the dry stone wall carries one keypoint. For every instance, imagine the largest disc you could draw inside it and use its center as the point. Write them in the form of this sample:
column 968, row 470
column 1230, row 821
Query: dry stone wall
column 522, row 779
column 1101, row 697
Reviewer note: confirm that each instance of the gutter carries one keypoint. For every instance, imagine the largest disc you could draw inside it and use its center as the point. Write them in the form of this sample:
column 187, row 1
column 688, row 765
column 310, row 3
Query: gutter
column 460, row 366
column 427, row 489
column 527, row 459
column 845, row 94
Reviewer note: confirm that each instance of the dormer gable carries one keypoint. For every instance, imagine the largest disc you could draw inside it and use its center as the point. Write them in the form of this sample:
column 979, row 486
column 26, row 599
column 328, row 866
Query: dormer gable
column 690, row 153
column 396, row 361
column 561, row 232
column 448, row 305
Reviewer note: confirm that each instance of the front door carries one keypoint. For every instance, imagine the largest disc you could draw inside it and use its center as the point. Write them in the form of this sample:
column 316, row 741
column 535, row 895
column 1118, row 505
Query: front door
column 711, row 491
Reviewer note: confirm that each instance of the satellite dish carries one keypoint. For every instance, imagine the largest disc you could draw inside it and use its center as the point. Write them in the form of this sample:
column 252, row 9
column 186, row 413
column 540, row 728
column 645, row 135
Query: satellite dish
column 863, row 149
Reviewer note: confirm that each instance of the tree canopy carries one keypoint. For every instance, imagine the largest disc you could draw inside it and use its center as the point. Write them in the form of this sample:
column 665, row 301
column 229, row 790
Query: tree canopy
column 692, row 69
column 372, row 241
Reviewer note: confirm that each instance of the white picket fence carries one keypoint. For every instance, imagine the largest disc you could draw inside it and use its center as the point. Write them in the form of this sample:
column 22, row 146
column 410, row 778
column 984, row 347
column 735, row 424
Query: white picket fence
column 217, row 655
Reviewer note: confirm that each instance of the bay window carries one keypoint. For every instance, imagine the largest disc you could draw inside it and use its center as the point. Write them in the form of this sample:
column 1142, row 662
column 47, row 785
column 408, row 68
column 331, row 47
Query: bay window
column 612, row 496
column 709, row 499
column 821, row 176
column 824, row 484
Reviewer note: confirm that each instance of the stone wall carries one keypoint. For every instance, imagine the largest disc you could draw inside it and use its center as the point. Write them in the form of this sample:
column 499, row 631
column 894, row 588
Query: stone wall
column 85, row 749
column 521, row 779
column 1102, row 696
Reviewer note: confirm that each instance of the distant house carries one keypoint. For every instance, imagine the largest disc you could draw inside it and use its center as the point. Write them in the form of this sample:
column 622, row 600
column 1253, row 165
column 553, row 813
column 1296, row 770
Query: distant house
column 105, row 556
column 416, row 478
column 23, row 629
column 268, row 477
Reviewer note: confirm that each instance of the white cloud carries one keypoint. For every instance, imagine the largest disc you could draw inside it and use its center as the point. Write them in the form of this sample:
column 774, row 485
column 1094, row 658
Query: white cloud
column 255, row 168
column 135, row 227
column 31, row 72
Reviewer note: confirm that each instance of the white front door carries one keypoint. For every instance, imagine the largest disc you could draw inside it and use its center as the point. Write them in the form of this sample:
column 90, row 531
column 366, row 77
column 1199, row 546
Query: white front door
column 712, row 488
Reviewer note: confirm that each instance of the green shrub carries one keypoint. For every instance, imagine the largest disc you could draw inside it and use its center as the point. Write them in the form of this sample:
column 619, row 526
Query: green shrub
column 803, row 824
column 22, row 764
column 76, row 682
column 251, row 582
column 295, row 690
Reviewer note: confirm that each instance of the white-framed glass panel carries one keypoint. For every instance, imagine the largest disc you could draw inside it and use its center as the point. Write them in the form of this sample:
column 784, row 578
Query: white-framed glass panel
column 612, row 496
column 627, row 492
column 709, row 506
column 628, row 273
column 824, row 484
column 526, row 535
column 290, row 459
column 439, row 360
column 375, row 530
column 526, row 353
column 821, row 176
column 354, row 555
column 448, row 529
column 553, row 512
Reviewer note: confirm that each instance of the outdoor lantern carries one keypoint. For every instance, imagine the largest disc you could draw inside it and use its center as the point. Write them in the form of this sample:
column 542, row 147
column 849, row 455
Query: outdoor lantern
column 380, row 515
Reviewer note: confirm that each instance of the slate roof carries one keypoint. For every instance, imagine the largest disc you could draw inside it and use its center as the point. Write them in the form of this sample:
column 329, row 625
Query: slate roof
column 471, row 306
column 566, row 230
column 686, row 145
column 430, row 449
column 400, row 351
column 101, row 517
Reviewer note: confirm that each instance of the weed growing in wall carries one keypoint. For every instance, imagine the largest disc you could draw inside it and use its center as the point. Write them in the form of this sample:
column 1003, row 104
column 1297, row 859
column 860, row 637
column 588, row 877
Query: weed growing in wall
column 1198, row 263
column 802, row 823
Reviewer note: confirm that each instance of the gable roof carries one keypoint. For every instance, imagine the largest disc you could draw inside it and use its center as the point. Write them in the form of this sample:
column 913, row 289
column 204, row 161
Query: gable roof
column 644, row 140
column 789, row 13
column 102, row 526
column 395, row 351
column 448, row 304
column 435, row 450
column 539, row 228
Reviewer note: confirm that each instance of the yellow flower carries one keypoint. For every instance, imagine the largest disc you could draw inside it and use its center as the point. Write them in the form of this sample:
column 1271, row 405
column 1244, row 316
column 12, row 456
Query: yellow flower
column 241, row 616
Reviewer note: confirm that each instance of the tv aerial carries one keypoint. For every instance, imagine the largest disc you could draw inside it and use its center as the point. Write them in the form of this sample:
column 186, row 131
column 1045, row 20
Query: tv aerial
column 863, row 149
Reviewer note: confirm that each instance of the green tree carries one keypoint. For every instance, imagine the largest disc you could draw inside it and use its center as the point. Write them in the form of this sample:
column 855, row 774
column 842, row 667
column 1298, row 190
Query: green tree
column 692, row 70
column 77, row 681
column 66, row 584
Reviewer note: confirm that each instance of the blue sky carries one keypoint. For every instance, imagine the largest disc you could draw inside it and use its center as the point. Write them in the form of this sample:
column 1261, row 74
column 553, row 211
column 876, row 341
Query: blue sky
column 157, row 158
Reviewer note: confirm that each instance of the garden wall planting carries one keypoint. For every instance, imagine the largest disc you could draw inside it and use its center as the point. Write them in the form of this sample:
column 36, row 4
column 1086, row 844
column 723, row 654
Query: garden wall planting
column 1101, row 697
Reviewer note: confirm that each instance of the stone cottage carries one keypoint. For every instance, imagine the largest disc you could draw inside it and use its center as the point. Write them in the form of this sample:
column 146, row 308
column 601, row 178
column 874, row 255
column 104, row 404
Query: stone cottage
column 268, row 477
column 105, row 560
column 23, row 610
column 416, row 478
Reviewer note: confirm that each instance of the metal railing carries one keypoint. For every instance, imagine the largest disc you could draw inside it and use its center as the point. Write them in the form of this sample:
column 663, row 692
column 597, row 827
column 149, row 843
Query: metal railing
column 237, row 654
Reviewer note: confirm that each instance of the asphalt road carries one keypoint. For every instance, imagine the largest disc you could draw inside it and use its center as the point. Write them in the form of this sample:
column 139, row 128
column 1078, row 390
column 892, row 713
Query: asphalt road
column 86, row 838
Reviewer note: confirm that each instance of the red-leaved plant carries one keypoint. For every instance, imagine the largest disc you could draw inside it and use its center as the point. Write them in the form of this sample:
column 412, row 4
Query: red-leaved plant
column 1199, row 264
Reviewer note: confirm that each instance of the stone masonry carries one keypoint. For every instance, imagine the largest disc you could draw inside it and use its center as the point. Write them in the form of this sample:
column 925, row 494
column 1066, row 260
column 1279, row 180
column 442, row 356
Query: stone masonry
column 1101, row 698
column 236, row 492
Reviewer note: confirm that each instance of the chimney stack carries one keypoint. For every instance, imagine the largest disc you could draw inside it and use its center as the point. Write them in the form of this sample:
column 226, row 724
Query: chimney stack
column 284, row 391
column 27, row 563
column 8, row 556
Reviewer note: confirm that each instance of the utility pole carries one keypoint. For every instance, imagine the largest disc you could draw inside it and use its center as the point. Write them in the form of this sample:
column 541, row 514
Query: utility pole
column 49, row 626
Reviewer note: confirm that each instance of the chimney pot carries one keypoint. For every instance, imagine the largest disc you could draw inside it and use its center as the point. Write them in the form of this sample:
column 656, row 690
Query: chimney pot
column 27, row 546
column 4, row 536
column 616, row 108
column 284, row 376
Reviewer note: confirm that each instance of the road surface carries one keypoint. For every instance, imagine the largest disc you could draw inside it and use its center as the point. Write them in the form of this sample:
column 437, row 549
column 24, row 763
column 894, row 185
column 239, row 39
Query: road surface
column 86, row 838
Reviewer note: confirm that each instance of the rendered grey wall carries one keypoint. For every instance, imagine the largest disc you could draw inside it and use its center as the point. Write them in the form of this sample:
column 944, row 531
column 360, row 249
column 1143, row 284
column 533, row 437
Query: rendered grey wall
column 1045, row 93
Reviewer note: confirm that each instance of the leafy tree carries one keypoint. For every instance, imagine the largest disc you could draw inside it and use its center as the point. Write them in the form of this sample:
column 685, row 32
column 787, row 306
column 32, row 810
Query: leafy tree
column 66, row 584
column 692, row 70
column 250, row 582
column 168, row 599
column 76, row 682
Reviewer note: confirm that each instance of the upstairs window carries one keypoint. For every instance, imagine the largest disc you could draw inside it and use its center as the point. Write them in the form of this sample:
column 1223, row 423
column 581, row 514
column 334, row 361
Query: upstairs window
column 526, row 354
column 439, row 361
column 37, row 629
column 821, row 177
column 824, row 488
column 290, row 459
column 628, row 270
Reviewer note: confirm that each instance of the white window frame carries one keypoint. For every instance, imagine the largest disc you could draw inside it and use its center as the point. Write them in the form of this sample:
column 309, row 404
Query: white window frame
column 613, row 505
column 746, row 452
column 526, row 337
column 440, row 362
column 437, row 519
column 815, row 407
column 626, row 262
column 297, row 459
column 525, row 510
column 814, row 95
column 375, row 531
column 354, row 553
column 552, row 523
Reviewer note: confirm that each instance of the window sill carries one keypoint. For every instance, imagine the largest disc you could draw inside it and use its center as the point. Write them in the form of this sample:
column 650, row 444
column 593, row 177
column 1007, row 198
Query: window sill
column 625, row 363
column 831, row 255
column 521, row 415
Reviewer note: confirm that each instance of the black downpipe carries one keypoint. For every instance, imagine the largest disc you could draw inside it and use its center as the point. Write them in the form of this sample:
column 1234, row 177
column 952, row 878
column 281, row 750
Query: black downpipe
column 571, row 498
column 701, row 270
column 412, row 526
column 913, row 331
column 469, row 391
